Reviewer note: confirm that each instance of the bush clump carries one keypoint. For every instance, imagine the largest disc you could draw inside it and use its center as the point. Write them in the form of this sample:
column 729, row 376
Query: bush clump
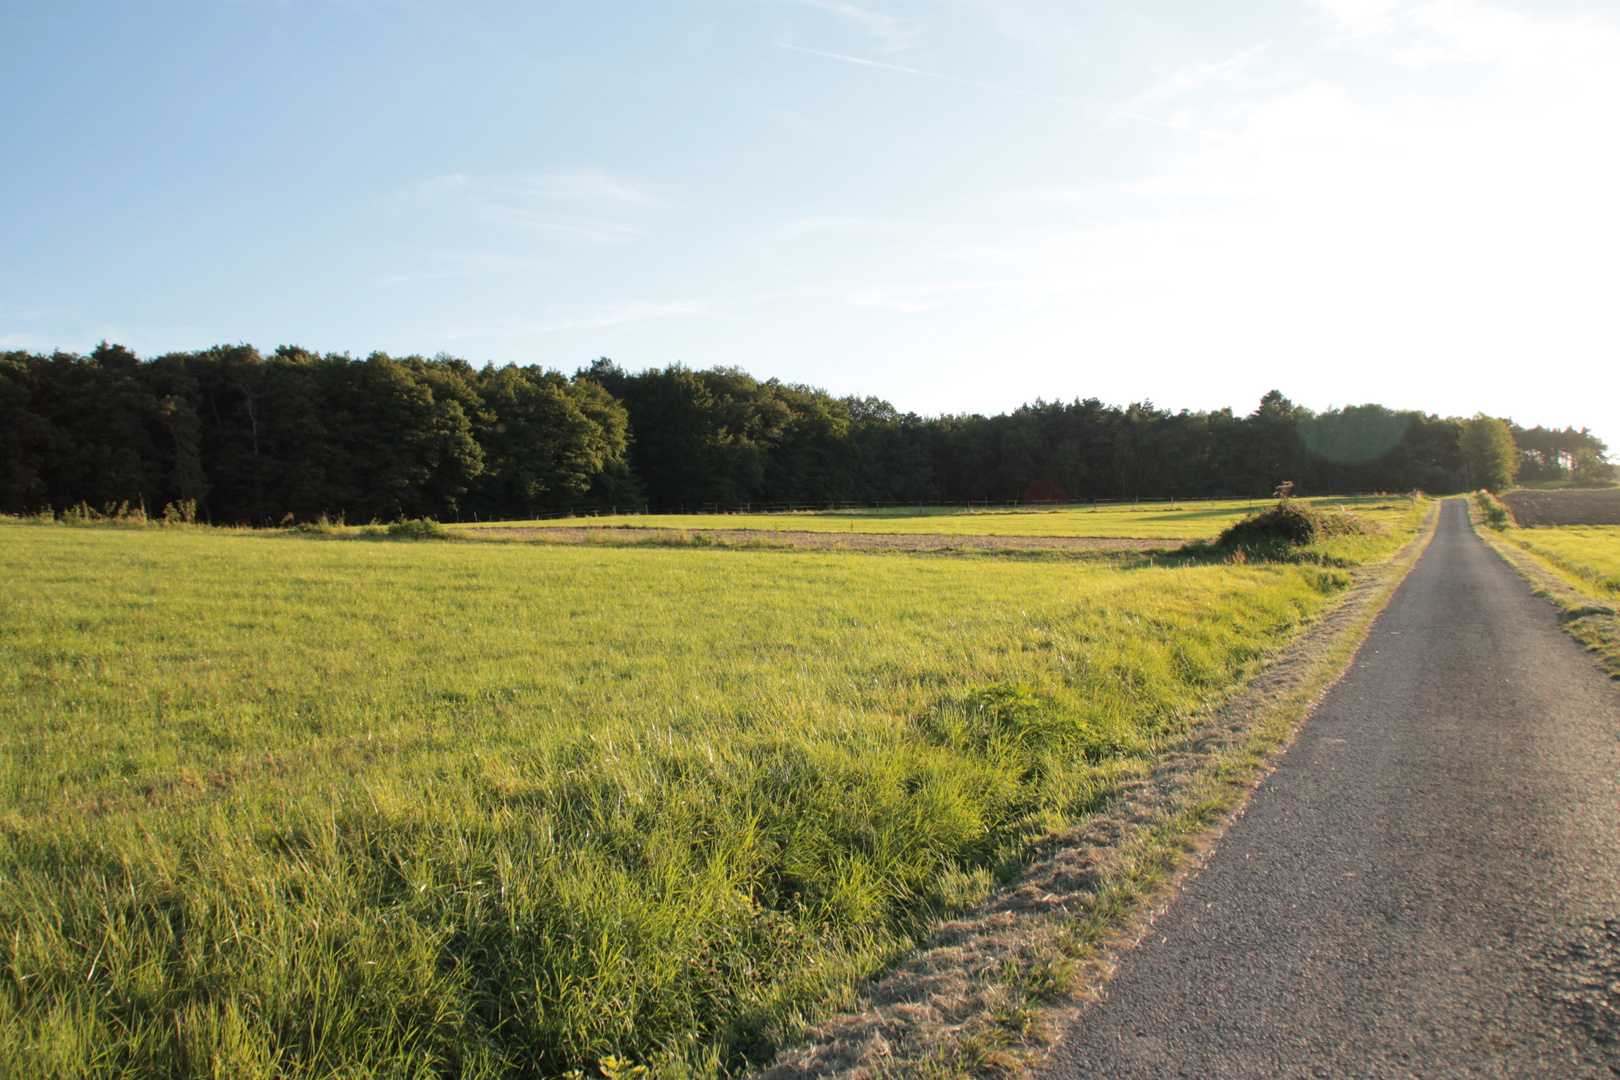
column 418, row 529
column 1497, row 515
column 321, row 526
column 1293, row 524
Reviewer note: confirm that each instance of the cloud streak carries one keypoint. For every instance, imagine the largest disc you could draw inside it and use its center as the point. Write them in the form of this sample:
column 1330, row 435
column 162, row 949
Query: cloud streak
column 1000, row 88
column 930, row 74
column 587, row 204
column 884, row 27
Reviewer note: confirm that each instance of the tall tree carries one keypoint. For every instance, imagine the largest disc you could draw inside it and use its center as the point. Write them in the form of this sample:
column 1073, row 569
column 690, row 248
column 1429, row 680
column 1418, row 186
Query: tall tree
column 1490, row 457
column 545, row 439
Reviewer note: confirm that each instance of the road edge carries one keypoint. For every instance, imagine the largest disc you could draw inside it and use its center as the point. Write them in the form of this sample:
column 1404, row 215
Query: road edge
column 989, row 993
column 1588, row 619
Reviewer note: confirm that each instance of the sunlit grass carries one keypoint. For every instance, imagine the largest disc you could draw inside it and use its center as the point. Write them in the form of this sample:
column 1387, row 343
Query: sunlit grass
column 285, row 806
column 1588, row 555
column 1201, row 519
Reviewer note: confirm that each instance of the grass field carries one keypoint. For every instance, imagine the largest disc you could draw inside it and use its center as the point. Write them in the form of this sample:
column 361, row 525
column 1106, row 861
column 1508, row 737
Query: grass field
column 274, row 805
column 1151, row 521
column 1588, row 555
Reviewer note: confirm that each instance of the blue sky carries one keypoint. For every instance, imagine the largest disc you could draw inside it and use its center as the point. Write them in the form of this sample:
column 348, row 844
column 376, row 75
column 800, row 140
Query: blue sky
column 956, row 205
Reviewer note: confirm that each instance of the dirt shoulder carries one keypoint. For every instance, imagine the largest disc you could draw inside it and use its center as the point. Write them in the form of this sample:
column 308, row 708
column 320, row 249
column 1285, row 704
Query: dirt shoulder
column 984, row 996
column 845, row 541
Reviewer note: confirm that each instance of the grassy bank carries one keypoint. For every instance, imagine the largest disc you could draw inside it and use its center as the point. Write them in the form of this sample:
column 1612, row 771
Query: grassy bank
column 275, row 805
column 1588, row 556
column 1168, row 521
column 1577, row 567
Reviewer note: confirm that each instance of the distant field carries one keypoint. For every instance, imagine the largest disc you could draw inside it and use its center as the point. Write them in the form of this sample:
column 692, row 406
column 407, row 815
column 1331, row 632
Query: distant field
column 1156, row 521
column 1578, row 506
column 274, row 805
column 1589, row 556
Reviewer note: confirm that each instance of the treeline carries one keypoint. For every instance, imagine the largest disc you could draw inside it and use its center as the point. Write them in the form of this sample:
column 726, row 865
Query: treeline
column 250, row 438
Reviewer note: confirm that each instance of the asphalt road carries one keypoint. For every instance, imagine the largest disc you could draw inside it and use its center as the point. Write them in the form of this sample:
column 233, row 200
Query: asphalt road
column 1428, row 885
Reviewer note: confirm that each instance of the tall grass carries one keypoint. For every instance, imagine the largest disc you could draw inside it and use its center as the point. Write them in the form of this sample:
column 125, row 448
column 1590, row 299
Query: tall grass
column 283, row 806
column 1588, row 555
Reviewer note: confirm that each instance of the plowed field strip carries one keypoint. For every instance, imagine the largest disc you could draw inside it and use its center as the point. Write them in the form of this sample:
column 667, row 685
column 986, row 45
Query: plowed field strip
column 894, row 541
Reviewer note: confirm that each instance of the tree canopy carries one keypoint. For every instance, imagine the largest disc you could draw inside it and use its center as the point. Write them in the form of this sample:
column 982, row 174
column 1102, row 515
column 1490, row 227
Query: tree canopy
column 257, row 439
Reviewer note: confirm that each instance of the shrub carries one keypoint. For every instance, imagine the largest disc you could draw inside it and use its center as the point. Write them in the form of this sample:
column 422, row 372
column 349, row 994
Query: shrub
column 1497, row 515
column 418, row 529
column 183, row 512
column 321, row 526
column 1292, row 524
column 120, row 513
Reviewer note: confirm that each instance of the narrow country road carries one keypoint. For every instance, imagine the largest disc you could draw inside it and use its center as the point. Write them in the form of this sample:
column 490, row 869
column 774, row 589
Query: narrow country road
column 1428, row 885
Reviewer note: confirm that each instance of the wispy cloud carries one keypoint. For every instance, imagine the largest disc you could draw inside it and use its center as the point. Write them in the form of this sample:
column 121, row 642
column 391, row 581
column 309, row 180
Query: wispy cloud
column 582, row 185
column 628, row 311
column 592, row 230
column 894, row 33
column 852, row 226
column 454, row 265
column 1424, row 33
column 1237, row 72
column 1000, row 88
column 914, row 298
column 928, row 74
column 587, row 205
column 598, row 317
column 427, row 191
column 1359, row 14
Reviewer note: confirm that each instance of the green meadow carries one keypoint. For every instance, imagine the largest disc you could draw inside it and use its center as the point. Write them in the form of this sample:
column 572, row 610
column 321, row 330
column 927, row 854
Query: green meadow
column 278, row 805
column 1588, row 555
column 1198, row 520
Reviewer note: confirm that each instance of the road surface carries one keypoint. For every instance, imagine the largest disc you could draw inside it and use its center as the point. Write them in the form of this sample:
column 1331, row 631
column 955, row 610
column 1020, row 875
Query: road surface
column 1427, row 886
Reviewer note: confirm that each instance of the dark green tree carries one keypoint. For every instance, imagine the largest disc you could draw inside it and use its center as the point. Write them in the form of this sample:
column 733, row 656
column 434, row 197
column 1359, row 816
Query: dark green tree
column 546, row 439
column 1490, row 457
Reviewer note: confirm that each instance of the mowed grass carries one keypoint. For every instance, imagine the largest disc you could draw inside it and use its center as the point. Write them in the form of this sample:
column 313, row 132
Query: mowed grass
column 1150, row 521
column 285, row 806
column 1588, row 555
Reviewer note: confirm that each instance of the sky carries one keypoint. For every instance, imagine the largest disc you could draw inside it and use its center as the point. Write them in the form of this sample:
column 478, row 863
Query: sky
column 956, row 205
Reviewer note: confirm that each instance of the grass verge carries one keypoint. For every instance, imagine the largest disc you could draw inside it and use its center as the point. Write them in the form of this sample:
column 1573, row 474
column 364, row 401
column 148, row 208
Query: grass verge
column 986, row 994
column 1576, row 567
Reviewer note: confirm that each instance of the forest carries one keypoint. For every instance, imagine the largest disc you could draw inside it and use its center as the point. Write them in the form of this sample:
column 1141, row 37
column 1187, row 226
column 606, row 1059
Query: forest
column 239, row 437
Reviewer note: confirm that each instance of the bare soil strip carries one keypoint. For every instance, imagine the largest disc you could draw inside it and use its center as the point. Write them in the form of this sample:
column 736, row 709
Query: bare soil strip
column 1533, row 509
column 984, row 996
column 835, row 541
